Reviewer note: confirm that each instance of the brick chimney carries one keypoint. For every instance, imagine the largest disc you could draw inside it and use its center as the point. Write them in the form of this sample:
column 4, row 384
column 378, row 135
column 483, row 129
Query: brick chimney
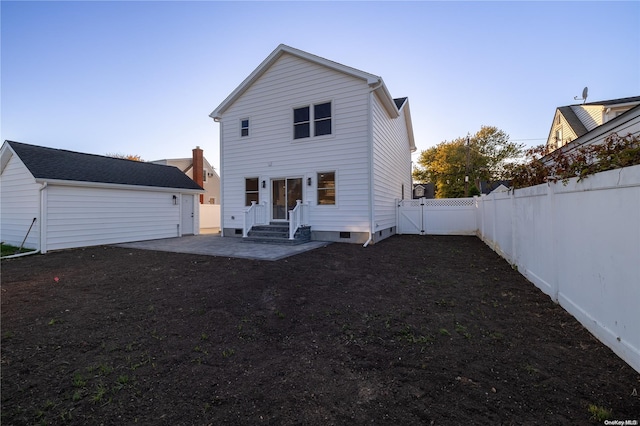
column 198, row 168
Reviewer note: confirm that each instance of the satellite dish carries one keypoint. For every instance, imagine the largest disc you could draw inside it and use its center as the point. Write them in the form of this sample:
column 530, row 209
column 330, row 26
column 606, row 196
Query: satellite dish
column 585, row 92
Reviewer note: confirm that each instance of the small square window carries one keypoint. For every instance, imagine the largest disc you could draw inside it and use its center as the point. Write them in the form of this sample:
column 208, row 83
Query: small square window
column 244, row 127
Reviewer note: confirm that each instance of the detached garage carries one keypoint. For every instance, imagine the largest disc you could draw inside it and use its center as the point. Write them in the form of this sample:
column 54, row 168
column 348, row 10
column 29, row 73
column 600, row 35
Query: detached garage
column 55, row 199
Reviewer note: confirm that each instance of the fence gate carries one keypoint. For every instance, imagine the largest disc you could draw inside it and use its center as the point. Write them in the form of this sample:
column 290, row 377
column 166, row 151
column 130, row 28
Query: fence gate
column 411, row 217
column 440, row 216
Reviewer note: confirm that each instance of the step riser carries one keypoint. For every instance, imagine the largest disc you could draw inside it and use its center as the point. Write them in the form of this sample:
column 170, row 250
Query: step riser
column 278, row 234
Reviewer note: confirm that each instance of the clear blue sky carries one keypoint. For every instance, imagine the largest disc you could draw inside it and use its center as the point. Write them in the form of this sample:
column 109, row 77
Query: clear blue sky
column 142, row 77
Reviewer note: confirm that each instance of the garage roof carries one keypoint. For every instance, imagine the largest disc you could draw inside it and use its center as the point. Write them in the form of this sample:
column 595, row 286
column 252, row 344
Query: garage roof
column 58, row 164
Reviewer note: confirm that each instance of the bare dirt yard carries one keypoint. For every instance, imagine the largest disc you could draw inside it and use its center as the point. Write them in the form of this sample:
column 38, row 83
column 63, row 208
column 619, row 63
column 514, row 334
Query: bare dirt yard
column 411, row 331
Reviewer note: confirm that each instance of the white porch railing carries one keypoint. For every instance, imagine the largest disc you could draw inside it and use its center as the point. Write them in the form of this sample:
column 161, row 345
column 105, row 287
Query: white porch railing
column 298, row 217
column 256, row 214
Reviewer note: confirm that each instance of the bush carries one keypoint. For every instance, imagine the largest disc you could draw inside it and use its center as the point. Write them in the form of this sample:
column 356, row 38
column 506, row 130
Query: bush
column 615, row 152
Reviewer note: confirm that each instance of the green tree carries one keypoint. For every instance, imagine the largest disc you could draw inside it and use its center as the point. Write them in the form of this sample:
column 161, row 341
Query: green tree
column 485, row 156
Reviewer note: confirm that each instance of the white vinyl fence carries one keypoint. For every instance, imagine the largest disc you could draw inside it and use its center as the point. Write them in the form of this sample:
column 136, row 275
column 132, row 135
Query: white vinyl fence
column 578, row 242
column 442, row 216
column 209, row 216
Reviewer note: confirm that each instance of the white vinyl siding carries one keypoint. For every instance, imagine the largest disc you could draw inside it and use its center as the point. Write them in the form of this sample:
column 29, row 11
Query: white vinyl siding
column 19, row 204
column 272, row 152
column 79, row 217
column 391, row 164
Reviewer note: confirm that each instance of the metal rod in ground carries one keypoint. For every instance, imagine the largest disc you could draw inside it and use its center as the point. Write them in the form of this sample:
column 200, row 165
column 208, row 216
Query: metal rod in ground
column 25, row 237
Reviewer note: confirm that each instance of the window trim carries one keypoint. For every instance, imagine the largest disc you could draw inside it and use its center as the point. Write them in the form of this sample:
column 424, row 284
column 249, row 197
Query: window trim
column 248, row 120
column 312, row 120
column 335, row 188
column 247, row 192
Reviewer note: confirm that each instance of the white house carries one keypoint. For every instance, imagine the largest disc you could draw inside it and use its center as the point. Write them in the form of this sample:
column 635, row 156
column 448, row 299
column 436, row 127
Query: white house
column 301, row 127
column 201, row 171
column 55, row 199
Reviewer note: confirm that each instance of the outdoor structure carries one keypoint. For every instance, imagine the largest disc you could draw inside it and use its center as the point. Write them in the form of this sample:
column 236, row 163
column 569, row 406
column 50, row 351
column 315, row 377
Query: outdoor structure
column 55, row 199
column 574, row 121
column 201, row 171
column 316, row 145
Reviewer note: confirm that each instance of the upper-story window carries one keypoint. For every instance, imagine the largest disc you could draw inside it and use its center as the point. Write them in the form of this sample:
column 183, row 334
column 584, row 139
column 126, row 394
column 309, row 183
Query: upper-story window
column 244, row 127
column 558, row 138
column 318, row 115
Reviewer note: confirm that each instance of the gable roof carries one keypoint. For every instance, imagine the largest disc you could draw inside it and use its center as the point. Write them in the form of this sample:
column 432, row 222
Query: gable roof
column 572, row 119
column 374, row 81
column 580, row 128
column 50, row 164
column 629, row 100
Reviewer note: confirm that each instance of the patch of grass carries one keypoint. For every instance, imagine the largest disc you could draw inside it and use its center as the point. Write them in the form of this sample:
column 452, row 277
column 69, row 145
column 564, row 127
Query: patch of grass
column 228, row 352
column 444, row 332
column 9, row 250
column 204, row 336
column 201, row 350
column 101, row 391
column 530, row 369
column 599, row 414
column 462, row 330
column 54, row 321
column 496, row 335
column 144, row 360
column 408, row 335
column 446, row 303
column 279, row 314
column 79, row 381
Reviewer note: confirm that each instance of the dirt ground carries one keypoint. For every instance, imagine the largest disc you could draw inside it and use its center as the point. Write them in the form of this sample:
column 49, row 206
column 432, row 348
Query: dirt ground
column 411, row 331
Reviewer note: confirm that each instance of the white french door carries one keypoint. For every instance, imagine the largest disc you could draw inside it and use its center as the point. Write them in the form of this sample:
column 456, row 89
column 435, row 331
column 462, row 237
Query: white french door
column 284, row 193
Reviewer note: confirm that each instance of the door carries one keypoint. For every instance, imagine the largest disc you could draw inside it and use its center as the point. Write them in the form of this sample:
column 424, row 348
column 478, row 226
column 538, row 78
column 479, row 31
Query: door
column 187, row 214
column 284, row 193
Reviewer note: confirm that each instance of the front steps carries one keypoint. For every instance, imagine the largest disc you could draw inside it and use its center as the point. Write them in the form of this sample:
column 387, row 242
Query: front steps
column 277, row 233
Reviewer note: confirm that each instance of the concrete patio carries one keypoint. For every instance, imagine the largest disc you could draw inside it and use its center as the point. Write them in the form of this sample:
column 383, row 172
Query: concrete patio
column 214, row 245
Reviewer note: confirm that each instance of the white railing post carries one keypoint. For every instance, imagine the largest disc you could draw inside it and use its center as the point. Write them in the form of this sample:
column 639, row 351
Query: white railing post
column 249, row 219
column 294, row 219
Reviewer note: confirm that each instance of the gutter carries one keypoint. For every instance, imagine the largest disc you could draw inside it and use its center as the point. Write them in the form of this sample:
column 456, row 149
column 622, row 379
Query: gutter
column 21, row 254
column 42, row 226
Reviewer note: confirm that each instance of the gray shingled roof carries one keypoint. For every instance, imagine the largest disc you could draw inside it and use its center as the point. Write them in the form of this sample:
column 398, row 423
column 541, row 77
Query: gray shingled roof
column 58, row 164
column 573, row 120
column 399, row 102
column 616, row 101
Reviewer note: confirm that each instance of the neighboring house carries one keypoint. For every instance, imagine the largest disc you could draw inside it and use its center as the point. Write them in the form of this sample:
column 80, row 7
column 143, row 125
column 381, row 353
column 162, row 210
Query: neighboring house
column 623, row 124
column 424, row 190
column 301, row 127
column 56, row 199
column 573, row 121
column 201, row 171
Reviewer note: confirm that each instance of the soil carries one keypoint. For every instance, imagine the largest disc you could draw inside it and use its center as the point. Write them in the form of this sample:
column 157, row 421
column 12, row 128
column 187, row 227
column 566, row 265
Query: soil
column 415, row 330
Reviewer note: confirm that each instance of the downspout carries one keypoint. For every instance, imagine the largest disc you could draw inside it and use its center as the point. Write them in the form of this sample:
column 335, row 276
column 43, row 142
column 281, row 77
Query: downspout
column 370, row 146
column 218, row 120
column 42, row 228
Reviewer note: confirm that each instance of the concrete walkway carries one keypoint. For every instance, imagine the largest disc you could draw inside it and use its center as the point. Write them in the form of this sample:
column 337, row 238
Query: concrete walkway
column 215, row 245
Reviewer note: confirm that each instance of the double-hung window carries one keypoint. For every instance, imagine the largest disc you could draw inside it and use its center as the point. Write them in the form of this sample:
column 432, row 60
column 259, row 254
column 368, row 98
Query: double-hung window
column 251, row 191
column 244, row 127
column 326, row 188
column 317, row 116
